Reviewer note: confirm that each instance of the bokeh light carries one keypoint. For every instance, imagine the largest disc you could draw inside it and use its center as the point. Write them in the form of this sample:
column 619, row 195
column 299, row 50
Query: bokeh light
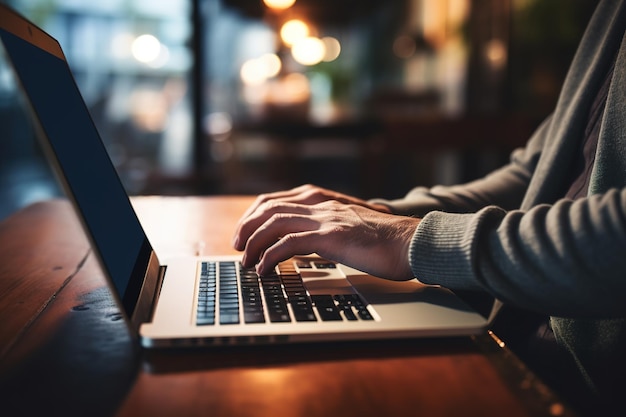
column 333, row 48
column 279, row 4
column 496, row 53
column 258, row 70
column 270, row 64
column 293, row 31
column 146, row 48
column 308, row 51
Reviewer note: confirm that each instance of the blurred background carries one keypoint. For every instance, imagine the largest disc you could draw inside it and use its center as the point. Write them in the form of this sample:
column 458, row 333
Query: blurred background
column 369, row 97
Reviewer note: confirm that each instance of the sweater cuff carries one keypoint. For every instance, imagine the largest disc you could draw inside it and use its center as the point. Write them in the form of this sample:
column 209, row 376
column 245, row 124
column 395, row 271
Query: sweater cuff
column 442, row 248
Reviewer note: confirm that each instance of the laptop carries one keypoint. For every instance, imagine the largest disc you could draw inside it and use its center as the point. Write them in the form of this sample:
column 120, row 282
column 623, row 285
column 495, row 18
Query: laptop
column 207, row 300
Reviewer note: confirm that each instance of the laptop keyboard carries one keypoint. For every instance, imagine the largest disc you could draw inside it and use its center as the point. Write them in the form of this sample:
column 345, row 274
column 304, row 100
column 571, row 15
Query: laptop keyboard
column 275, row 298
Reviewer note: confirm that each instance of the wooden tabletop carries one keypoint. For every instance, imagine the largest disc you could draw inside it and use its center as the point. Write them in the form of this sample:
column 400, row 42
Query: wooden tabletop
column 65, row 350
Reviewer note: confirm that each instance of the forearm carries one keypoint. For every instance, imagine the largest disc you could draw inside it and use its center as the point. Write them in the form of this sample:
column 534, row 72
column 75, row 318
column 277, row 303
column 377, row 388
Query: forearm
column 505, row 187
column 565, row 259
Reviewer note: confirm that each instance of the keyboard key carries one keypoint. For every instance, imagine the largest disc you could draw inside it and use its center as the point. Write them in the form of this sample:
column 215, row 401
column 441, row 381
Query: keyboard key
column 348, row 313
column 229, row 318
column 364, row 314
column 279, row 316
column 253, row 316
column 292, row 293
column 325, row 265
column 304, row 315
column 326, row 307
column 287, row 267
column 203, row 321
column 303, row 312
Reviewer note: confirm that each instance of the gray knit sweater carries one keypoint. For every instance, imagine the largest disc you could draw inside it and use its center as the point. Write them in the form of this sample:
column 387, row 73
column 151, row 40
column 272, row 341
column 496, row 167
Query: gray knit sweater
column 512, row 233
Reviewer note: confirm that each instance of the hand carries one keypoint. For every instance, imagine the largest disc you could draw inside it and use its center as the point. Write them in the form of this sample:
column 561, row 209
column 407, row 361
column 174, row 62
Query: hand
column 275, row 230
column 309, row 195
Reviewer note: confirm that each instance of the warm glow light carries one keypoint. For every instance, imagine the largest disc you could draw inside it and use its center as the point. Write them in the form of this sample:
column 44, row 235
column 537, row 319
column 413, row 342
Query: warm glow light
column 279, row 4
column 270, row 64
column 439, row 19
column 333, row 48
column 308, row 51
column 293, row 30
column 434, row 15
column 251, row 74
column 146, row 48
column 290, row 89
column 496, row 53
column 257, row 71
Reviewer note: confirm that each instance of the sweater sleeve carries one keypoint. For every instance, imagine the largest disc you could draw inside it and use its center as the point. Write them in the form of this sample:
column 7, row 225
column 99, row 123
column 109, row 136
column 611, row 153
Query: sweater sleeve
column 504, row 187
column 564, row 259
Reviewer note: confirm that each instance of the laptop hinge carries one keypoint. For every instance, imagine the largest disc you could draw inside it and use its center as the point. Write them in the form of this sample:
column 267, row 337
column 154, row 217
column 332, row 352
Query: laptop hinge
column 149, row 293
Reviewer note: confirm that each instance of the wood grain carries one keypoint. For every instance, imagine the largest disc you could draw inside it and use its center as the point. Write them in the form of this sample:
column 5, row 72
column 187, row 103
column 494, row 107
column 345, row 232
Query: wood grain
column 38, row 257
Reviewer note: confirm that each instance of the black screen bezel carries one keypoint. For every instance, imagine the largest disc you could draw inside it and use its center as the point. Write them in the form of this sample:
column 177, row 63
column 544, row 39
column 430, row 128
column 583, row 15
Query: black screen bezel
column 13, row 24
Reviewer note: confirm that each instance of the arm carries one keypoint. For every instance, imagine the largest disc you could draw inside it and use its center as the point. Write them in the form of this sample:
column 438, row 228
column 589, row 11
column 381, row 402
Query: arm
column 565, row 259
column 504, row 187
column 362, row 234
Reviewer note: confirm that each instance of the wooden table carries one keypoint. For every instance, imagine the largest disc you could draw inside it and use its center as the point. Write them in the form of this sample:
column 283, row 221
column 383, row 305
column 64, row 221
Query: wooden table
column 64, row 349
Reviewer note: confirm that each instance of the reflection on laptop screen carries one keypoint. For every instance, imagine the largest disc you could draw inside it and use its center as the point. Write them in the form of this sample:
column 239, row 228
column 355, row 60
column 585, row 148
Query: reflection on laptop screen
column 90, row 176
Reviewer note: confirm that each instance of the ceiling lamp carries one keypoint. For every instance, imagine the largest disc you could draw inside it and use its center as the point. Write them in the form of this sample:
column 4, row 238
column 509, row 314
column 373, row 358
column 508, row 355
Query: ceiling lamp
column 279, row 4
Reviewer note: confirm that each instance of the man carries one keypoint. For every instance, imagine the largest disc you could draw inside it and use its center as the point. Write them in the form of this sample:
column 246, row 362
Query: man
column 546, row 233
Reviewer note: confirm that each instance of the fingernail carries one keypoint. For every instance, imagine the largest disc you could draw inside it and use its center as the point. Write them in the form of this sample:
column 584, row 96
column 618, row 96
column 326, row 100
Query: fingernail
column 235, row 242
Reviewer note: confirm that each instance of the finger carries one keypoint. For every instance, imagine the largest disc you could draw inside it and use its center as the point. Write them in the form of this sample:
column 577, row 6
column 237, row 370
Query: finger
column 272, row 230
column 310, row 195
column 292, row 244
column 263, row 213
column 283, row 196
column 264, row 198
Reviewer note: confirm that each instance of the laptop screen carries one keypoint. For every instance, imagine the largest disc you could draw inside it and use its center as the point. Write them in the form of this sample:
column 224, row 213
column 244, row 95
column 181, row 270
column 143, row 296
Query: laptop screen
column 90, row 177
